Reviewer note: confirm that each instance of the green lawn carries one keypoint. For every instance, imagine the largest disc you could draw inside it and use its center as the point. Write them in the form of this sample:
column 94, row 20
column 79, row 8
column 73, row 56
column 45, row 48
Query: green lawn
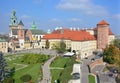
column 63, row 75
column 59, row 62
column 55, row 74
column 33, row 69
column 91, row 79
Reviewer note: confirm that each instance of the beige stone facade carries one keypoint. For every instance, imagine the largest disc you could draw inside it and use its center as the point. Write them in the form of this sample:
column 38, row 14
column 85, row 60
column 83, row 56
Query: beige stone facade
column 84, row 48
column 111, row 39
column 4, row 46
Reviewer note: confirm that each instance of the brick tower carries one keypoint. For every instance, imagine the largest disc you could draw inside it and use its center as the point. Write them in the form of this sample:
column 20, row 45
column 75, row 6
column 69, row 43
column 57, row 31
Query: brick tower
column 102, row 34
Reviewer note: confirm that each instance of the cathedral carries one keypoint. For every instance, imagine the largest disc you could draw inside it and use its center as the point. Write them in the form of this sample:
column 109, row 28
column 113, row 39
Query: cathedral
column 22, row 38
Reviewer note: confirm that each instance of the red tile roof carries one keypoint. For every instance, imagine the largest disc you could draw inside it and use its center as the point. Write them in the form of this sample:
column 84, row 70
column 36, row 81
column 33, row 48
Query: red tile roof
column 76, row 35
column 103, row 22
column 110, row 32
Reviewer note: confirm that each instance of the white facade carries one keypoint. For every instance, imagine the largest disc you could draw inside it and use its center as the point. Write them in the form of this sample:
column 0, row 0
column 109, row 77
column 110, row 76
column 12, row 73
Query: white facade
column 84, row 48
column 21, row 42
column 111, row 39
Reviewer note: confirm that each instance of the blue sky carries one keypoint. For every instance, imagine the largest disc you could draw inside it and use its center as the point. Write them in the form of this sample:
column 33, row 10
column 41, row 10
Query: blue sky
column 49, row 14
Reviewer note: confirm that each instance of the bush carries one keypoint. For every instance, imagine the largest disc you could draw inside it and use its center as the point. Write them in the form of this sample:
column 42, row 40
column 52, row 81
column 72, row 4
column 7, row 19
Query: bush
column 26, row 78
column 8, row 80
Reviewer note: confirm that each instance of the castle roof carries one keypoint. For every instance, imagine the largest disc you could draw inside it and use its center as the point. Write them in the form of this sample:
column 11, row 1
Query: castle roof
column 74, row 35
column 37, row 32
column 103, row 22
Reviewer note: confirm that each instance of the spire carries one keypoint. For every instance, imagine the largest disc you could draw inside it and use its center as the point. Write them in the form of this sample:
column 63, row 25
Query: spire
column 13, row 19
column 21, row 23
column 33, row 25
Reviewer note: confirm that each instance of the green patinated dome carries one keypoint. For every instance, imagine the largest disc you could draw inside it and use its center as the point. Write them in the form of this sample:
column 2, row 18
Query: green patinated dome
column 33, row 25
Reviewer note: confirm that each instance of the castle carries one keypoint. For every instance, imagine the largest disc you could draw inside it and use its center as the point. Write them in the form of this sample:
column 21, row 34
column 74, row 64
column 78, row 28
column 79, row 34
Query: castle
column 22, row 38
column 83, row 41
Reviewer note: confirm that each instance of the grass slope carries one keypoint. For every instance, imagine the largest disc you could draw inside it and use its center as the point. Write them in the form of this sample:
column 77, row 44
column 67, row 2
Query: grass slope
column 33, row 70
column 91, row 79
column 62, row 75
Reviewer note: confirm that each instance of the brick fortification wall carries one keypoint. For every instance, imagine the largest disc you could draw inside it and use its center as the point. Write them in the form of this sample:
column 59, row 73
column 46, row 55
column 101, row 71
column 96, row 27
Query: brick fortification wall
column 96, row 62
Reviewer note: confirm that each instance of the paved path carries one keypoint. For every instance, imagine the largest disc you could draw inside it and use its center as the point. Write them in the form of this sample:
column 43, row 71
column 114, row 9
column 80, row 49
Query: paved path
column 84, row 71
column 46, row 71
column 76, row 69
column 23, row 66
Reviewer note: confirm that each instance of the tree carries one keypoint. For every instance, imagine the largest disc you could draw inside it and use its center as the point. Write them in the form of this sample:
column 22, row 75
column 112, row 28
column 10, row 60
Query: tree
column 11, row 72
column 47, row 44
column 62, row 47
column 116, row 42
column 111, row 54
column 3, row 64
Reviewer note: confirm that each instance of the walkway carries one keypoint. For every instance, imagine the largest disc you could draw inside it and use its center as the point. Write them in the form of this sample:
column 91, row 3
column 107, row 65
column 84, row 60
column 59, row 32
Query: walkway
column 76, row 69
column 23, row 66
column 85, row 70
column 46, row 71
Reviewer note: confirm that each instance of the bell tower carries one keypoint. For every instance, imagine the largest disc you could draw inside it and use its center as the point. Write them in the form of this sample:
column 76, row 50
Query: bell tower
column 13, row 20
column 13, row 23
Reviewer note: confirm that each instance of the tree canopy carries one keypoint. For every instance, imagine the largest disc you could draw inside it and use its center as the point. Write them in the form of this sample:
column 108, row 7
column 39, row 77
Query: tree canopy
column 61, row 47
column 111, row 54
column 116, row 42
column 47, row 44
column 31, row 58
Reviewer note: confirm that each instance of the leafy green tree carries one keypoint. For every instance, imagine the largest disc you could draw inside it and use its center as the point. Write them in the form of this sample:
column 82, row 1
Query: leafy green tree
column 111, row 54
column 47, row 44
column 11, row 72
column 116, row 42
column 62, row 47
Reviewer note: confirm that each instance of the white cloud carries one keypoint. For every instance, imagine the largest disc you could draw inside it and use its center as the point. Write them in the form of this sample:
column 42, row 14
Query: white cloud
column 117, row 16
column 84, row 6
column 25, row 16
column 75, row 19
